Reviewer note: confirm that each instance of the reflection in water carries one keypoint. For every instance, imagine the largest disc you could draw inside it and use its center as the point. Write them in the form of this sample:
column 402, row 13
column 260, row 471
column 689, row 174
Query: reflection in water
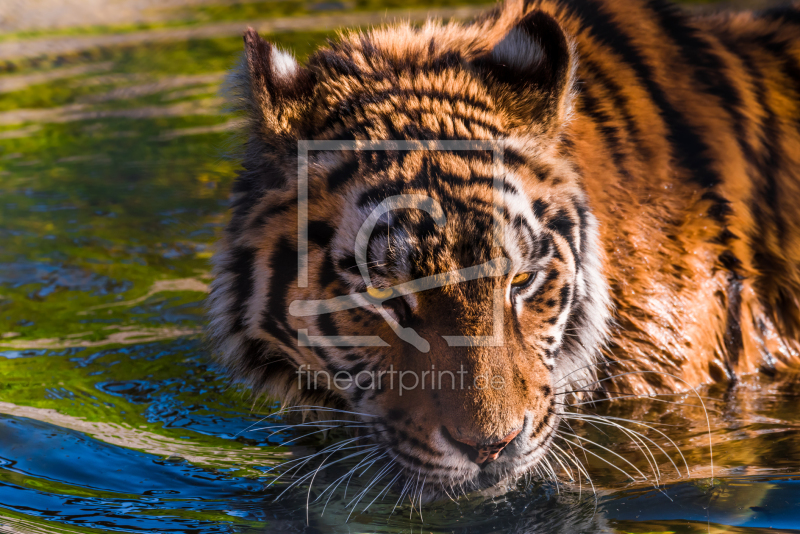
column 82, row 112
column 113, row 185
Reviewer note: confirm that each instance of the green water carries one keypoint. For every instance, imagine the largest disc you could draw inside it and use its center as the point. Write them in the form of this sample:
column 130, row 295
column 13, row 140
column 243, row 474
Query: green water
column 113, row 185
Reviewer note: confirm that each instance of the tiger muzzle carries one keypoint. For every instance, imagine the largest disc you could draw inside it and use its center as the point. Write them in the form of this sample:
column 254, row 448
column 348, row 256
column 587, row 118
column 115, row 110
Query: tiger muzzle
column 485, row 452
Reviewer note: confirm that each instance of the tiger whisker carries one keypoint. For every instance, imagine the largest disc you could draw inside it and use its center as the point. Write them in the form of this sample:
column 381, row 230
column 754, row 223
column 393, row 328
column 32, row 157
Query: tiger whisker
column 284, row 427
column 642, row 396
column 587, row 451
column 354, row 470
column 402, row 494
column 386, row 488
column 665, row 401
column 693, row 390
column 357, row 499
column 375, row 263
column 564, row 467
column 646, row 425
column 413, row 495
column 336, row 447
column 539, row 472
column 305, row 477
column 562, row 434
column 313, row 408
column 571, row 458
column 647, row 455
column 339, row 446
column 554, row 478
column 421, row 490
column 377, row 478
column 303, row 408
column 594, row 365
column 638, row 440
column 366, row 468
column 448, row 493
column 327, row 426
column 581, row 468
column 335, row 484
column 311, row 484
column 317, row 432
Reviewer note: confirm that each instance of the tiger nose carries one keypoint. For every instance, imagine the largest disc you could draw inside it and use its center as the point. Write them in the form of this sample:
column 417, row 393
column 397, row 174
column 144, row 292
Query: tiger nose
column 484, row 453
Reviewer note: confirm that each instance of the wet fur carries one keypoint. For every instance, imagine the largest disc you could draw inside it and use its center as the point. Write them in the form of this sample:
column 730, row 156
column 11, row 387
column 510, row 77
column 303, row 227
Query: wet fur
column 656, row 153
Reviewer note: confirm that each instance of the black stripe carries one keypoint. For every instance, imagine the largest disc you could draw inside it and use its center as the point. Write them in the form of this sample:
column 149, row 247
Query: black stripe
column 433, row 179
column 342, row 174
column 327, row 275
column 416, row 443
column 350, row 107
column 733, row 340
column 620, row 99
column 564, row 226
column 539, row 208
column 709, row 67
column 241, row 265
column 552, row 274
column 320, row 233
column 583, row 223
column 610, row 134
column 690, row 150
column 283, row 273
column 326, row 325
column 565, row 293
column 252, row 357
column 348, row 264
column 249, row 188
column 720, row 207
column 269, row 212
column 331, row 367
column 544, row 247
column 782, row 14
column 771, row 192
column 733, row 327
column 765, row 204
column 709, row 73
column 359, row 392
column 513, row 159
column 541, row 170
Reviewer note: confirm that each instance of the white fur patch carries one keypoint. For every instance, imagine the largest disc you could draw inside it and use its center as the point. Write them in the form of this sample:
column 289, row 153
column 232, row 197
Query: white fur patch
column 517, row 50
column 283, row 63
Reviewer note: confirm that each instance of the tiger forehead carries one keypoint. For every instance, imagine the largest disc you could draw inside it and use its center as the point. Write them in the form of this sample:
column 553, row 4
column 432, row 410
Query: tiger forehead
column 380, row 173
column 367, row 89
column 468, row 186
column 446, row 225
column 461, row 205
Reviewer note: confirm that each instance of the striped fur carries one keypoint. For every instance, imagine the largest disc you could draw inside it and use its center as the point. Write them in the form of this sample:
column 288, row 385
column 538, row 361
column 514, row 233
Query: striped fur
column 649, row 180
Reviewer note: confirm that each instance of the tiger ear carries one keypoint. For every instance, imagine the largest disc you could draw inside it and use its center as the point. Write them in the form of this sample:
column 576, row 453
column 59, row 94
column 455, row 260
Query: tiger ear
column 276, row 88
column 531, row 72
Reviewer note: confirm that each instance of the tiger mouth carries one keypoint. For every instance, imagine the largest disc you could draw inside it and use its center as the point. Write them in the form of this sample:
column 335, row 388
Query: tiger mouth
column 472, row 472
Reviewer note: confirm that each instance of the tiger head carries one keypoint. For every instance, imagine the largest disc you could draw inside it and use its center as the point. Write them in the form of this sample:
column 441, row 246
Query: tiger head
column 443, row 294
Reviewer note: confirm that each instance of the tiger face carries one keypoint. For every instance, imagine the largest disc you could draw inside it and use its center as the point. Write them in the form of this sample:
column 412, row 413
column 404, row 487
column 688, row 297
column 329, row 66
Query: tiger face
column 445, row 296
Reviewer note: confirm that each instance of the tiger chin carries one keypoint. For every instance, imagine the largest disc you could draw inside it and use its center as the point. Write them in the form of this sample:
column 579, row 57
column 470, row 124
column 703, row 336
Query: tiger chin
column 619, row 216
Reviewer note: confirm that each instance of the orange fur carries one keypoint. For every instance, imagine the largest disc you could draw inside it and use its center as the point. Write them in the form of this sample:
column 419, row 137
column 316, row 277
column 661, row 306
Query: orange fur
column 651, row 175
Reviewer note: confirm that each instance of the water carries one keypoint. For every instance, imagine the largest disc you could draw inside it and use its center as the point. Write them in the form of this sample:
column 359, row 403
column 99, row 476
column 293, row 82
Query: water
column 113, row 182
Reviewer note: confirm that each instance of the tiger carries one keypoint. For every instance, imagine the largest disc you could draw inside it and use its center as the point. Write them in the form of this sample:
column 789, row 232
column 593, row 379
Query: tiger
column 617, row 205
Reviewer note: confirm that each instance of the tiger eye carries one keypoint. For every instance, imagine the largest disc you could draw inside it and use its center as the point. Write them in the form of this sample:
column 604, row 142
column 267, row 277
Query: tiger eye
column 521, row 279
column 380, row 293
